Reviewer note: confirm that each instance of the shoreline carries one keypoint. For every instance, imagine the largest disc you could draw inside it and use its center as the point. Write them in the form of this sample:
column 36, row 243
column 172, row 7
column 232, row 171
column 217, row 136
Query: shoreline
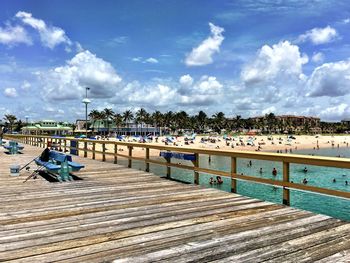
column 274, row 143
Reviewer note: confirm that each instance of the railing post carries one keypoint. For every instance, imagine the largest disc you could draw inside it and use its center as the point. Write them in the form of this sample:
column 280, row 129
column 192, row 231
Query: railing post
column 103, row 152
column 147, row 157
column 168, row 168
column 115, row 153
column 93, row 150
column 77, row 147
column 85, row 149
column 286, row 194
column 196, row 165
column 130, row 155
column 64, row 145
column 233, row 173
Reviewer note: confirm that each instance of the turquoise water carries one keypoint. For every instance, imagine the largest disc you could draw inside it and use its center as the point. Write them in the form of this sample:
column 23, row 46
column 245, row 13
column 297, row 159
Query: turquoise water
column 316, row 176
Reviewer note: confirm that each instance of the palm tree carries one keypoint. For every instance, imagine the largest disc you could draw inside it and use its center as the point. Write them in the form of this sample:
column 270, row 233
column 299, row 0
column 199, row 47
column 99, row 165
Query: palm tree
column 157, row 118
column 127, row 117
column 108, row 113
column 19, row 125
column 94, row 115
column 238, row 122
column 10, row 118
column 118, row 120
column 140, row 117
column 148, row 120
column 219, row 121
column 271, row 121
column 168, row 119
column 101, row 116
column 181, row 120
column 201, row 121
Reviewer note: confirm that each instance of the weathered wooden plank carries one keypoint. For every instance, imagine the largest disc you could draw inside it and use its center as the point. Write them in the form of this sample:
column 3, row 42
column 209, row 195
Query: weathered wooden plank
column 247, row 216
column 126, row 214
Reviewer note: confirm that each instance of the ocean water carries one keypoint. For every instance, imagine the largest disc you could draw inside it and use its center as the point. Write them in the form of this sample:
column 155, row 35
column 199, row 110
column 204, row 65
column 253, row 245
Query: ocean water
column 316, row 176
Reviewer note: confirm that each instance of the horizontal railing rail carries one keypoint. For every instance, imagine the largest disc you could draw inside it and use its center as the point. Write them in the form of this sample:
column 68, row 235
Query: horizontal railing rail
column 286, row 159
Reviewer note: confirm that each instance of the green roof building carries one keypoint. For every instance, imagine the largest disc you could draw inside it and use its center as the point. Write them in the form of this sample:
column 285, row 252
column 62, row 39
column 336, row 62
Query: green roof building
column 48, row 127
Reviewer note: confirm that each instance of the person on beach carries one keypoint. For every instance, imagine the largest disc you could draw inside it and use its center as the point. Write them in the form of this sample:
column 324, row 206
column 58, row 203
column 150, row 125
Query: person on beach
column 274, row 171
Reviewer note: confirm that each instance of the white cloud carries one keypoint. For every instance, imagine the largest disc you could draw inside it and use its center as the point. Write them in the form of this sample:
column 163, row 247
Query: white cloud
column 318, row 57
column 281, row 62
column 151, row 60
column 25, row 85
column 202, row 55
column 186, row 80
column 148, row 60
column 165, row 93
column 330, row 79
column 319, row 35
column 137, row 59
column 10, row 92
column 346, row 21
column 268, row 110
column 12, row 35
column 158, row 95
column 207, row 85
column 337, row 112
column 155, row 95
column 50, row 36
column 83, row 70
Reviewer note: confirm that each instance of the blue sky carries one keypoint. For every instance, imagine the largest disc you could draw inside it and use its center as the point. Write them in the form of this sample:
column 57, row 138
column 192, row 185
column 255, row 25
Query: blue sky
column 247, row 57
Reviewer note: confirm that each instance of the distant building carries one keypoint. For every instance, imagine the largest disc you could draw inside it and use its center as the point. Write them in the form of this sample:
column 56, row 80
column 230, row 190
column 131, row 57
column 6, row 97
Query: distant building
column 47, row 127
column 101, row 126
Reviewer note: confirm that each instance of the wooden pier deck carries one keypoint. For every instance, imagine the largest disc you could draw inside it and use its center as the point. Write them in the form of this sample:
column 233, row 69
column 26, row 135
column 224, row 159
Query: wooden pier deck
column 126, row 215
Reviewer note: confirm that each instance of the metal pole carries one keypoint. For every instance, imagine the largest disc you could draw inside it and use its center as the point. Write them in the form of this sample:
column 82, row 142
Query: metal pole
column 86, row 123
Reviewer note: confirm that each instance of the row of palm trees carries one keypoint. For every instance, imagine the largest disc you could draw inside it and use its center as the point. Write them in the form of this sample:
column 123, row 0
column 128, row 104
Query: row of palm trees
column 178, row 121
column 170, row 121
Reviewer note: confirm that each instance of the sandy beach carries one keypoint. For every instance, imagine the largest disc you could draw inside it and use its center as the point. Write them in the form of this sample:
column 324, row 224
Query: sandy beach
column 274, row 143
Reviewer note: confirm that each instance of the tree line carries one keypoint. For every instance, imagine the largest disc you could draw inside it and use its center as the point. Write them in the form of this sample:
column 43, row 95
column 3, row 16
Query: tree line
column 181, row 120
column 201, row 122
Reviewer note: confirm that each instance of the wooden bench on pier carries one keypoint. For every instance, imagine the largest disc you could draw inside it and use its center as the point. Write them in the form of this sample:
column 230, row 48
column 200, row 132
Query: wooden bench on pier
column 60, row 164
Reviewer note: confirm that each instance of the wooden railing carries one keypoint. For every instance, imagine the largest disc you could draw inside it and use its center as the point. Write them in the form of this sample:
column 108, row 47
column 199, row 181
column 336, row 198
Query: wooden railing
column 285, row 159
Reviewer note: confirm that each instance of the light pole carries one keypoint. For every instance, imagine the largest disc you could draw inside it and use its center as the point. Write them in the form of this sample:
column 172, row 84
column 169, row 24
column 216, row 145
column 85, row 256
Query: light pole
column 86, row 101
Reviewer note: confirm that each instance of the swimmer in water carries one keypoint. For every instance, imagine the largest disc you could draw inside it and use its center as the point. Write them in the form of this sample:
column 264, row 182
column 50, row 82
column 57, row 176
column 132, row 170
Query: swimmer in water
column 274, row 172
